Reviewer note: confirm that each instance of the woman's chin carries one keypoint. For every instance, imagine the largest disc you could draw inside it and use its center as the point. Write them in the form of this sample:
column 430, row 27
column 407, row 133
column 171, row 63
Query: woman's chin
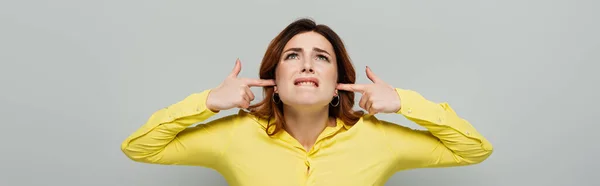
column 299, row 102
column 305, row 99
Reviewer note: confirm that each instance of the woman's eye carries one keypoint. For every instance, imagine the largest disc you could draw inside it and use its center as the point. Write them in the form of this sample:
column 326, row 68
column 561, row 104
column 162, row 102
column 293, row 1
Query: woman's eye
column 291, row 56
column 322, row 57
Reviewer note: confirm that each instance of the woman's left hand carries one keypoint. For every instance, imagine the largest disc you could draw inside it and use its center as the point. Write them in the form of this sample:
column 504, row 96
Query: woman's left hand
column 378, row 97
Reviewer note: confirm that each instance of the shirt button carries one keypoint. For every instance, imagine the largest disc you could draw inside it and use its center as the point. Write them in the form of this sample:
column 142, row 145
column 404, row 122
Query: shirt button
column 409, row 111
column 468, row 133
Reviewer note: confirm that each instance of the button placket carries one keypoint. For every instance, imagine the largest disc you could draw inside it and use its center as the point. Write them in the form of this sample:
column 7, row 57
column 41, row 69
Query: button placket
column 307, row 163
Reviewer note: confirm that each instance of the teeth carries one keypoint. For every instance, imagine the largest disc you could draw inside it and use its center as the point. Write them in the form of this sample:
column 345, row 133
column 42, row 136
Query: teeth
column 306, row 83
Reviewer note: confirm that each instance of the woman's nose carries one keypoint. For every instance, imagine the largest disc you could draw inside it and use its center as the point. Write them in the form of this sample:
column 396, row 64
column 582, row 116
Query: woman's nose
column 308, row 70
column 307, row 67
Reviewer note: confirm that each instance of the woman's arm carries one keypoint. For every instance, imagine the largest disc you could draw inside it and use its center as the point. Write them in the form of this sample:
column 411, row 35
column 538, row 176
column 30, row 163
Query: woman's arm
column 167, row 137
column 448, row 141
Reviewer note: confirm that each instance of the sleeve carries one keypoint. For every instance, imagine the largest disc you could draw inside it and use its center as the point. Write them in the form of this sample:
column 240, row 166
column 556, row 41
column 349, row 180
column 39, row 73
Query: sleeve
column 167, row 138
column 448, row 141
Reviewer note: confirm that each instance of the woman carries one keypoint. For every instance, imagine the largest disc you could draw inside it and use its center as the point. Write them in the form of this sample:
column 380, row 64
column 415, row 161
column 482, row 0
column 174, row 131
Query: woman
column 305, row 132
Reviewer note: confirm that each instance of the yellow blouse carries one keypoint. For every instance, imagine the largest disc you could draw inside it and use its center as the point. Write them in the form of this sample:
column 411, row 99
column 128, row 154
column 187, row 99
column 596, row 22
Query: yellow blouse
column 367, row 153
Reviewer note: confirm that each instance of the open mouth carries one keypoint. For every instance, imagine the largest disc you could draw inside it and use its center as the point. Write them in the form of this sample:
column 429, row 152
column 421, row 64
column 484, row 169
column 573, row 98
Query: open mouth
column 307, row 81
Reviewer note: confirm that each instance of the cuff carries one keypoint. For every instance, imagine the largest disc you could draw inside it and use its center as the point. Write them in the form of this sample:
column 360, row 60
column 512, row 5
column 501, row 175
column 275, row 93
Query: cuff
column 415, row 106
column 436, row 117
column 193, row 105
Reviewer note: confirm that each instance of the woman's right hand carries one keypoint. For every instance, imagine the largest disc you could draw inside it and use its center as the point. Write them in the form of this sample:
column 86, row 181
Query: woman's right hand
column 234, row 91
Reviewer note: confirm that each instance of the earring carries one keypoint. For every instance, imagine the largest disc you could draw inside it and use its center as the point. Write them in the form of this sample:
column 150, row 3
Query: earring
column 276, row 98
column 337, row 103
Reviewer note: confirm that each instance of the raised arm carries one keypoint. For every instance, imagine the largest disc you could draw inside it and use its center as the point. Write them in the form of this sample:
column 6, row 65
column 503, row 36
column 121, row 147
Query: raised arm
column 448, row 141
column 167, row 137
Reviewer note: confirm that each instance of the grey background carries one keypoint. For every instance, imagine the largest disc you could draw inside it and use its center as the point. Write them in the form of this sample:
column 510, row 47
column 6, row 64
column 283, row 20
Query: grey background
column 77, row 77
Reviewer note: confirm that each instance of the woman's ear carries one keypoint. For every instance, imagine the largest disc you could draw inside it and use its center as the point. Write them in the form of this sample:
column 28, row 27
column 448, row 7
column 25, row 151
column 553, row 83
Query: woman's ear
column 275, row 89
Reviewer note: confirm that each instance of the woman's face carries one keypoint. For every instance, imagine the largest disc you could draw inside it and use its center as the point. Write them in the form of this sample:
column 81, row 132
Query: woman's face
column 307, row 71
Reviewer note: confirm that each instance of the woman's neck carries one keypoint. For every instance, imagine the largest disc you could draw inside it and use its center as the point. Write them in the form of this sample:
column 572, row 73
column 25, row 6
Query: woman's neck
column 306, row 124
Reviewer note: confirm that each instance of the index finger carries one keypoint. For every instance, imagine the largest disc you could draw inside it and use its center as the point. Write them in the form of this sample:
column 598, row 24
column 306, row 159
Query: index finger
column 351, row 87
column 236, row 69
column 259, row 82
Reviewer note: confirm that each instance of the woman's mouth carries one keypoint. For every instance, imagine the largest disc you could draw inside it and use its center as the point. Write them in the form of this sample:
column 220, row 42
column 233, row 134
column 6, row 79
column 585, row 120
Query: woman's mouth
column 307, row 81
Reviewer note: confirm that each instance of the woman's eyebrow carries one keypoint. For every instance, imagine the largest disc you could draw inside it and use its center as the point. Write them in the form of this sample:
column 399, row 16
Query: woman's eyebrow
column 320, row 50
column 300, row 50
column 293, row 49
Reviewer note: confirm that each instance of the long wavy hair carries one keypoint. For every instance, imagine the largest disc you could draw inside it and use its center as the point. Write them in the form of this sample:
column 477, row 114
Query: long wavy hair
column 268, row 108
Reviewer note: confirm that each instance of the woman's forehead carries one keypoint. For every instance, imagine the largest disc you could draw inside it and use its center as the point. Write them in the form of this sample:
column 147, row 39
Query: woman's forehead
column 309, row 40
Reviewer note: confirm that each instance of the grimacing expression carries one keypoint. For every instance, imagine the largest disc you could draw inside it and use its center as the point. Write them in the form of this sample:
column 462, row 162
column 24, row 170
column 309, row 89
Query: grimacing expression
column 307, row 71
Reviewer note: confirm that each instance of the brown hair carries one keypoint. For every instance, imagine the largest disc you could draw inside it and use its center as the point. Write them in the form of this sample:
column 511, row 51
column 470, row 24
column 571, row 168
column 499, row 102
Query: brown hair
column 267, row 108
